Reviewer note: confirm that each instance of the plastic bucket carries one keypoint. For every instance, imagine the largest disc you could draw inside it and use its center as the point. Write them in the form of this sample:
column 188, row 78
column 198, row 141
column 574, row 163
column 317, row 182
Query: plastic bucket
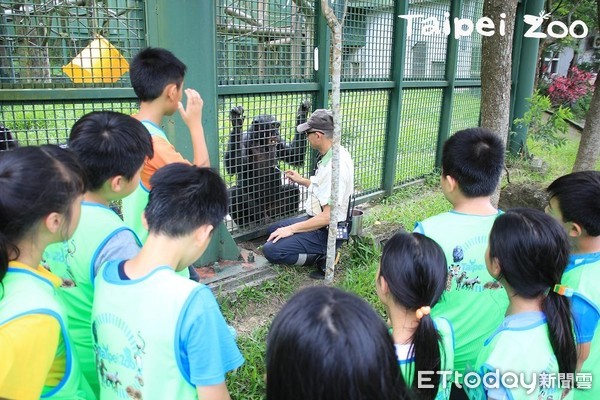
column 357, row 223
column 99, row 62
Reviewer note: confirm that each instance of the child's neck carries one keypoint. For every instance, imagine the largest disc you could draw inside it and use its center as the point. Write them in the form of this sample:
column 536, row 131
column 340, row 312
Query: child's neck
column 587, row 244
column 30, row 251
column 474, row 205
column 158, row 251
column 518, row 304
column 404, row 324
column 150, row 111
column 96, row 197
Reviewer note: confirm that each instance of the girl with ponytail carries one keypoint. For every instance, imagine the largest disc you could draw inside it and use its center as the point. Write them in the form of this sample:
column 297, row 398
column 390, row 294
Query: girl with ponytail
column 527, row 253
column 410, row 280
column 40, row 199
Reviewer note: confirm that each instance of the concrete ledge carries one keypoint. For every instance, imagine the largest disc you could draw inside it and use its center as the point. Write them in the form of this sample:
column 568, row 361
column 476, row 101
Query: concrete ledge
column 225, row 276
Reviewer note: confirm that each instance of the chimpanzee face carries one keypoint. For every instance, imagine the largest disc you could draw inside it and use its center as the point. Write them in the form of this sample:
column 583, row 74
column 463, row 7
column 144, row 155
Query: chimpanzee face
column 263, row 136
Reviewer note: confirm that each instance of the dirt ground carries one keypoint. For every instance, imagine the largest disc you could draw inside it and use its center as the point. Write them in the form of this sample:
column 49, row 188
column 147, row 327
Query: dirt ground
column 260, row 314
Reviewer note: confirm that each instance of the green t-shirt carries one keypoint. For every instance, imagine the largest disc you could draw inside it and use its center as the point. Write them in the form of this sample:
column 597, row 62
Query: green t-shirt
column 74, row 262
column 473, row 301
column 519, row 347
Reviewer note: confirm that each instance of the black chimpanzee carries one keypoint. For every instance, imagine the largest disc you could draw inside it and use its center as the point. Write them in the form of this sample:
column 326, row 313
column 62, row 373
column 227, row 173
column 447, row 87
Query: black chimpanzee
column 253, row 156
column 7, row 141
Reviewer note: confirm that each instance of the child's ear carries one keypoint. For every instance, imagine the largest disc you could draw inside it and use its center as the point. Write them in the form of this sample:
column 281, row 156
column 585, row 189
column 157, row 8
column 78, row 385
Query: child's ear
column 171, row 91
column 203, row 235
column 448, row 183
column 144, row 221
column 383, row 285
column 495, row 269
column 574, row 229
column 53, row 222
column 116, row 183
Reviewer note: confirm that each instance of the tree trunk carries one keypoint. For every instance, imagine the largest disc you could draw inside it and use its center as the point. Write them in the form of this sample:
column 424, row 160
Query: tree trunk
column 589, row 147
column 496, row 61
column 33, row 34
column 336, row 75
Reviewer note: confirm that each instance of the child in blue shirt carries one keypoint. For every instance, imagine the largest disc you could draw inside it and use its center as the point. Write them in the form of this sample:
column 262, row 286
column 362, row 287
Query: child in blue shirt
column 159, row 335
column 575, row 203
column 527, row 253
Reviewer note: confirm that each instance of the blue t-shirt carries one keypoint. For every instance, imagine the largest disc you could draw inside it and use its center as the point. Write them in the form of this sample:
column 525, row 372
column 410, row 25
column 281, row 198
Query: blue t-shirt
column 207, row 348
column 586, row 314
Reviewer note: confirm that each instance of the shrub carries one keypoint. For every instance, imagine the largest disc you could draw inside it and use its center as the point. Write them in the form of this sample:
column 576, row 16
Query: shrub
column 566, row 90
column 548, row 130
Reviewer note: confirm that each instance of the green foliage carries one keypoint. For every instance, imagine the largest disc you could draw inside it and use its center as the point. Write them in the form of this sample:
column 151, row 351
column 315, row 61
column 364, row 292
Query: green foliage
column 582, row 106
column 549, row 130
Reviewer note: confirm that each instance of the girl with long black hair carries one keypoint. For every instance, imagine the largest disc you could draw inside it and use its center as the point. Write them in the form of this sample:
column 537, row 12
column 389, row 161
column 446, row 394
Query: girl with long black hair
column 410, row 281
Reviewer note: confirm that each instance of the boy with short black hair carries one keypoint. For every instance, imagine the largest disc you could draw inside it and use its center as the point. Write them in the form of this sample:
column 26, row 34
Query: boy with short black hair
column 157, row 79
column 112, row 148
column 575, row 203
column 179, row 342
column 472, row 162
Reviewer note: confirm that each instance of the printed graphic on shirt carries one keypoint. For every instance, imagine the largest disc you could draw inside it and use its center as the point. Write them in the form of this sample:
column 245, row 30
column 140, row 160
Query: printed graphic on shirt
column 469, row 273
column 61, row 255
column 120, row 361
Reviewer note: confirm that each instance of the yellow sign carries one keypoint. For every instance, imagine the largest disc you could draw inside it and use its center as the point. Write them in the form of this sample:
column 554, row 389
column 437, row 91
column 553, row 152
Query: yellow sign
column 99, row 62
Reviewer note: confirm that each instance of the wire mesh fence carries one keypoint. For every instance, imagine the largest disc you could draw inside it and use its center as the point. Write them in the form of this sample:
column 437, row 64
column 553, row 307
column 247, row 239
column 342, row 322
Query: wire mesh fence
column 68, row 43
column 258, row 142
column 43, row 122
column 426, row 41
column 262, row 41
column 420, row 126
column 469, row 47
column 367, row 44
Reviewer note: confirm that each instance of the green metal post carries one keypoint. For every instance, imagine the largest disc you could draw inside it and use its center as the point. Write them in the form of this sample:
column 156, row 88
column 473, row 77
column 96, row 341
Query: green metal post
column 174, row 30
column 448, row 92
column 516, row 56
column 323, row 43
column 395, row 103
column 526, row 78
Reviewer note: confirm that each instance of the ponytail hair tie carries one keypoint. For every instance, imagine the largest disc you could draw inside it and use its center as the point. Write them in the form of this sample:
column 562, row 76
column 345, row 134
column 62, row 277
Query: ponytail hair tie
column 563, row 290
column 421, row 312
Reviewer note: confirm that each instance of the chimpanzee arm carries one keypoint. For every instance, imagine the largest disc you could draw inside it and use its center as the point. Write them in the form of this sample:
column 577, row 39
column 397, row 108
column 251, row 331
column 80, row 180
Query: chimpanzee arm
column 233, row 155
column 294, row 152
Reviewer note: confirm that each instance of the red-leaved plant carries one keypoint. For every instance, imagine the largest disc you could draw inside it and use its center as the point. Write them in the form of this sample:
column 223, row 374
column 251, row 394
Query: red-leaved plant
column 566, row 90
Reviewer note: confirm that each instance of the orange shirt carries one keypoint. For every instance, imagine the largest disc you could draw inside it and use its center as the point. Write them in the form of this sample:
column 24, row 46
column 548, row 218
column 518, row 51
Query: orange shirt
column 164, row 154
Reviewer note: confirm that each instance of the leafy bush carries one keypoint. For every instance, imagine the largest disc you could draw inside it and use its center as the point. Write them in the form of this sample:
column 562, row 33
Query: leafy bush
column 549, row 130
column 582, row 106
column 566, row 90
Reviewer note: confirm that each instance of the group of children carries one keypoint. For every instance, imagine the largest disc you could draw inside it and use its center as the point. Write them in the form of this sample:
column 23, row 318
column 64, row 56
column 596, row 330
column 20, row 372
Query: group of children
column 95, row 307
column 481, row 304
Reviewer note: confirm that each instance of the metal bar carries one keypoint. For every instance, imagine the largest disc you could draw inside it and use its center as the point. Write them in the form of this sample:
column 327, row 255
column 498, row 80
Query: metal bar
column 173, row 20
column 323, row 42
column 424, row 84
column 395, row 102
column 67, row 94
column 526, row 79
column 516, row 59
column 448, row 92
column 229, row 90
